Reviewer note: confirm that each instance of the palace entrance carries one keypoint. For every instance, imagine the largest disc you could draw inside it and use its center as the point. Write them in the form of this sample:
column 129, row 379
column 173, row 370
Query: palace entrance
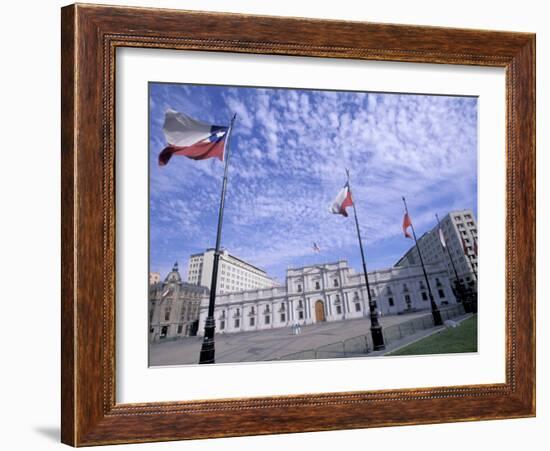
column 164, row 332
column 319, row 311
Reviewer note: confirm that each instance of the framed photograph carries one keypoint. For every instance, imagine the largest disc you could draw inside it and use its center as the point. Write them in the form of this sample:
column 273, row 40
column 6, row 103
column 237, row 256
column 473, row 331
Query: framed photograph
column 278, row 225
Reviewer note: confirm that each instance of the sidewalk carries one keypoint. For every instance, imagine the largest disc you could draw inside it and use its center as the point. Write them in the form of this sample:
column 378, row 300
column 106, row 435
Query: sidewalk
column 268, row 344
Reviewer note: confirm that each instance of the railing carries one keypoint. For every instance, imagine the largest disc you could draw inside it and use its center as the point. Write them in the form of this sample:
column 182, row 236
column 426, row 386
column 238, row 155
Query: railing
column 362, row 344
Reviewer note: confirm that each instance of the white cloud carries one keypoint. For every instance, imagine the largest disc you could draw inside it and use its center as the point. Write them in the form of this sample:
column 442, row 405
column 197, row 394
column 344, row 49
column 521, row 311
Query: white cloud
column 289, row 155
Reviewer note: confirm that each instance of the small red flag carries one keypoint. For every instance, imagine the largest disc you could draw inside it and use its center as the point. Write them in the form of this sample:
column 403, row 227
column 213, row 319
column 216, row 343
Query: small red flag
column 406, row 224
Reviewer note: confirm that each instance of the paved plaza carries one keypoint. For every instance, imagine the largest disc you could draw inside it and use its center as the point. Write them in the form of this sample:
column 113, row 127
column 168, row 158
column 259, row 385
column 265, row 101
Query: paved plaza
column 269, row 344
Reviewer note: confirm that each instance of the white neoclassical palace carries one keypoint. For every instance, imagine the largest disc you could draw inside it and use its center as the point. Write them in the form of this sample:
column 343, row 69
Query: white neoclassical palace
column 328, row 292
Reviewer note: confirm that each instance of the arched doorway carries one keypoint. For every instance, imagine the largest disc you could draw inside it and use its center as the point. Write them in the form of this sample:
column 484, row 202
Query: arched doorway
column 319, row 311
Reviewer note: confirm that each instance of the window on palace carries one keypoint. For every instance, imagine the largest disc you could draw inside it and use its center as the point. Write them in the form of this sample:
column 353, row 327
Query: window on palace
column 390, row 302
column 424, row 296
column 237, row 323
column 252, row 321
column 282, row 306
column 299, row 288
column 252, row 310
column 151, row 330
column 222, row 325
column 335, row 282
column 338, row 309
column 180, row 328
column 441, row 293
column 283, row 317
column 317, row 286
column 267, row 319
column 300, row 315
column 167, row 313
column 357, row 307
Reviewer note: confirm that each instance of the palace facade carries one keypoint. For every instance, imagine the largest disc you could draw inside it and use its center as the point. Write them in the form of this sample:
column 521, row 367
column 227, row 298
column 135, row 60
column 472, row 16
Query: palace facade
column 328, row 292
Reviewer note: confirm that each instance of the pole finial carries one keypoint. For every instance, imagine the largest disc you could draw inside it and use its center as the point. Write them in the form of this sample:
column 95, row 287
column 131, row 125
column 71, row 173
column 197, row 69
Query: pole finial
column 405, row 204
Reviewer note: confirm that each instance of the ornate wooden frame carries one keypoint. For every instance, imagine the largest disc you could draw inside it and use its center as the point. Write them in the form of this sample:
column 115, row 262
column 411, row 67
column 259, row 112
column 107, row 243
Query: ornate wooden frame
column 90, row 413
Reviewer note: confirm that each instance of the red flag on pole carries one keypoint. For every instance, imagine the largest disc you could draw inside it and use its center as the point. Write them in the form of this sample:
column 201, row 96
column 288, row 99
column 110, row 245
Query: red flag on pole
column 406, row 224
column 192, row 138
column 342, row 201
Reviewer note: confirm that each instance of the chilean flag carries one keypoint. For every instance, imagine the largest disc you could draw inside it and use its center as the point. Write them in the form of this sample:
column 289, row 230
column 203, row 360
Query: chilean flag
column 192, row 138
column 342, row 201
column 406, row 224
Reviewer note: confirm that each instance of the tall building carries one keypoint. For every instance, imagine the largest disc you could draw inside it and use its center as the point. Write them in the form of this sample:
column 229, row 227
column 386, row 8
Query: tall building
column 460, row 233
column 328, row 292
column 154, row 277
column 174, row 307
column 234, row 274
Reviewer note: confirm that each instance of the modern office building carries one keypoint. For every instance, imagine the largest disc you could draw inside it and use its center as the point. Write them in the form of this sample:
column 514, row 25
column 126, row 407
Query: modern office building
column 154, row 277
column 460, row 234
column 234, row 274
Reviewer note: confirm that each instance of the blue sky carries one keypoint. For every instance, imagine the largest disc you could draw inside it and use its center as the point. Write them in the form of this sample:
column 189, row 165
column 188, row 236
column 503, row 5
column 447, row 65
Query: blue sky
column 289, row 151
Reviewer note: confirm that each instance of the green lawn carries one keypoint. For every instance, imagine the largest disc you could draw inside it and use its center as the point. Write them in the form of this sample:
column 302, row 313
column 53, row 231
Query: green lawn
column 460, row 339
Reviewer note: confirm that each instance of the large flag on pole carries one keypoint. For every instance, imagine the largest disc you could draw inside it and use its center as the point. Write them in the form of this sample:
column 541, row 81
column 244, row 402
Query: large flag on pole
column 342, row 201
column 406, row 224
column 192, row 138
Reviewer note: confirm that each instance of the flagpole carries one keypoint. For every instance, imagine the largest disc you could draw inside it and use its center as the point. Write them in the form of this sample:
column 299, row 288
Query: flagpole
column 447, row 247
column 435, row 310
column 375, row 328
column 207, row 354
column 459, row 287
